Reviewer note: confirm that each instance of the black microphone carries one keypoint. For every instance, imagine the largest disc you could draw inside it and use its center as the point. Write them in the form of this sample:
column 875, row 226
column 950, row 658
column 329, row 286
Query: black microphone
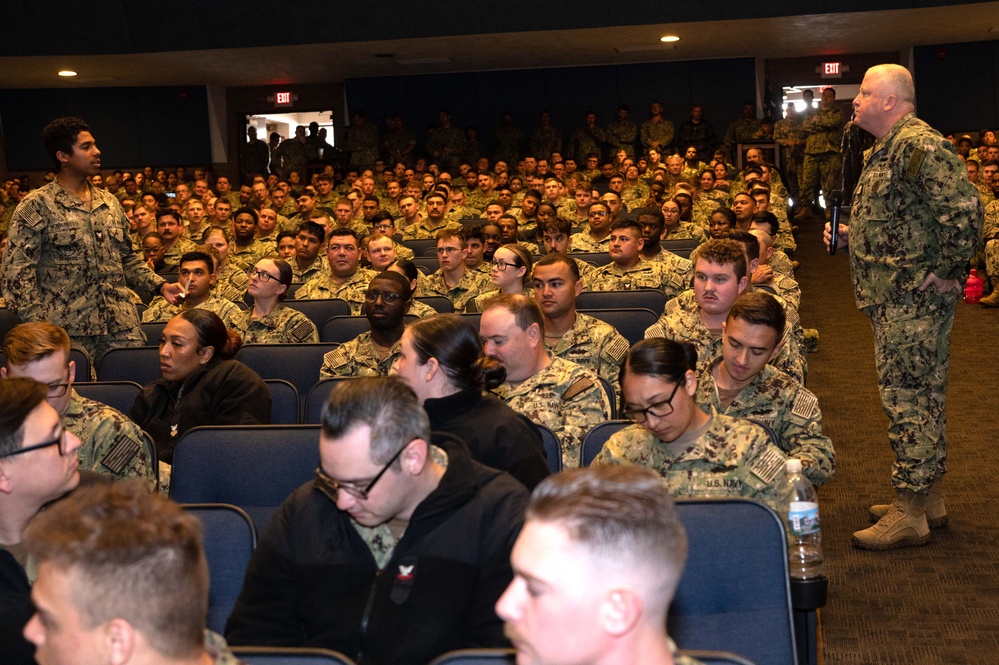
column 835, row 200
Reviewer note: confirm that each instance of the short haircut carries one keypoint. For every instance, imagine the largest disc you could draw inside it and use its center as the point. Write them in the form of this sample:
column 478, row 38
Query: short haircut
column 342, row 233
column 558, row 257
column 534, row 194
column 627, row 224
column 392, row 276
column 759, row 308
column 385, row 404
column 622, row 514
column 60, row 136
column 525, row 310
column 748, row 241
column 435, row 195
column 27, row 342
column 767, row 218
column 722, row 251
column 133, row 555
column 727, row 213
column 198, row 255
column 246, row 211
column 167, row 213
column 449, row 234
column 655, row 213
column 19, row 397
column 472, row 233
column 557, row 225
column 312, row 228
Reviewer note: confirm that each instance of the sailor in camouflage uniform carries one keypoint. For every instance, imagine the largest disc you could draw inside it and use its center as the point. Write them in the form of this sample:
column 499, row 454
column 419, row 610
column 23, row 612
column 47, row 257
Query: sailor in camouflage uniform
column 669, row 274
column 69, row 259
column 741, row 384
column 198, row 280
column 823, row 157
column 346, row 279
column 558, row 394
column 915, row 223
column 656, row 132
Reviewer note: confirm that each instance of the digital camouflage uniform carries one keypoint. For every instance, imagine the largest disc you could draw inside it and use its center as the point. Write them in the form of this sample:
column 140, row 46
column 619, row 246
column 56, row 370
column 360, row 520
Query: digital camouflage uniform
column 74, row 267
column 507, row 140
column 791, row 137
column 583, row 242
column 318, row 267
column 426, row 229
column 686, row 231
column 282, row 326
column 660, row 131
column 450, row 142
column 322, row 287
column 669, row 274
column 823, row 159
column 179, row 249
column 621, row 135
column 545, row 141
column 231, row 283
column 399, row 140
column 914, row 212
column 595, row 345
column 358, row 357
column 564, row 397
column 292, row 156
column 362, row 143
column 740, row 131
column 421, row 309
column 990, row 236
column 218, row 650
column 785, row 406
column 160, row 310
column 731, row 458
column 472, row 283
column 681, row 322
column 585, row 140
column 111, row 443
column 244, row 257
column 785, row 288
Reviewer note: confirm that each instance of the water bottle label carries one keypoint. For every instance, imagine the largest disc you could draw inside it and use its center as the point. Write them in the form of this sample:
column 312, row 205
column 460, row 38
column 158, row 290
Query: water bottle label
column 803, row 517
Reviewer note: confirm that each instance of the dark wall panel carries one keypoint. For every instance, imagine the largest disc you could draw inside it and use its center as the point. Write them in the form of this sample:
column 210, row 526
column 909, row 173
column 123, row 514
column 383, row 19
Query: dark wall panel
column 955, row 85
column 132, row 125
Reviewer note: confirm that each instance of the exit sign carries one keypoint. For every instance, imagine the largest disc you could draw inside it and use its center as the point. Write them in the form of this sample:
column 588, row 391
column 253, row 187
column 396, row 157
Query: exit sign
column 282, row 99
column 832, row 70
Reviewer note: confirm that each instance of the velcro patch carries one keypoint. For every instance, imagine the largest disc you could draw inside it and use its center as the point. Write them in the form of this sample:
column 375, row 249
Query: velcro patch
column 768, row 465
column 576, row 388
column 915, row 162
column 618, row 348
column 683, row 264
column 121, row 453
column 805, row 404
column 303, row 331
column 335, row 358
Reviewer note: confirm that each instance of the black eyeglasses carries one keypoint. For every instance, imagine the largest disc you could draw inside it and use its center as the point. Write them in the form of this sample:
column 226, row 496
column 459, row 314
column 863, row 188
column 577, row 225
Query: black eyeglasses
column 659, row 409
column 502, row 265
column 261, row 275
column 59, row 440
column 331, row 487
column 387, row 297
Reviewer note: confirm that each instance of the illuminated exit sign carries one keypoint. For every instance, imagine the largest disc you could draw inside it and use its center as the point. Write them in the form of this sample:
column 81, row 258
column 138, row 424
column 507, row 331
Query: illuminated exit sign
column 282, row 99
column 832, row 70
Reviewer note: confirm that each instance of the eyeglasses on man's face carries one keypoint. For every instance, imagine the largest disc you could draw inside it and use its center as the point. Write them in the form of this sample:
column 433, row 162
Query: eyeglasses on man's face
column 387, row 297
column 60, row 440
column 332, row 487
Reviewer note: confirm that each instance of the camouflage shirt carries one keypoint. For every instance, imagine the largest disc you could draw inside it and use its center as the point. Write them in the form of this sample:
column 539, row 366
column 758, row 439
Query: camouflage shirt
column 681, row 322
column 74, row 266
column 161, row 310
column 564, row 397
column 282, row 326
column 914, row 212
column 425, row 229
column 218, row 650
column 545, row 141
column 686, row 231
column 358, row 357
column 318, row 267
column 622, row 134
column 728, row 457
column 244, row 257
column 595, row 345
column 660, row 131
column 584, row 242
column 322, row 287
column 786, row 407
column 231, row 283
column 822, row 130
column 179, row 249
column 472, row 283
column 668, row 273
column 111, row 443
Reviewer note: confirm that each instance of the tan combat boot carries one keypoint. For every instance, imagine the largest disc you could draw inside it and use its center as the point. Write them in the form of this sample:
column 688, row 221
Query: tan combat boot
column 904, row 525
column 936, row 511
column 991, row 300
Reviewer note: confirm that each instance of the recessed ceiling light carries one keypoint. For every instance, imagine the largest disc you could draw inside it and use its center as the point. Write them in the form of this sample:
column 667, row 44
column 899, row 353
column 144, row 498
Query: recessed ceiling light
column 67, row 73
column 669, row 38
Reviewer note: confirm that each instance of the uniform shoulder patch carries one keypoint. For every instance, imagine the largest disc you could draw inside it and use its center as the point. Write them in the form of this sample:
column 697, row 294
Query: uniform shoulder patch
column 805, row 404
column 576, row 388
column 618, row 348
column 120, row 454
column 767, row 465
column 684, row 264
column 335, row 358
column 915, row 162
column 303, row 331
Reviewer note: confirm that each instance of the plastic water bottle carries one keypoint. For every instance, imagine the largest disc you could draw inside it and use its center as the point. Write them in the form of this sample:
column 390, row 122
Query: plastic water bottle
column 804, row 537
column 973, row 288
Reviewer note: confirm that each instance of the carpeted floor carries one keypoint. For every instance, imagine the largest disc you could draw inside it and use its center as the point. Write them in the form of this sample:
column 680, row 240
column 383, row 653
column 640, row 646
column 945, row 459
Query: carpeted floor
column 924, row 605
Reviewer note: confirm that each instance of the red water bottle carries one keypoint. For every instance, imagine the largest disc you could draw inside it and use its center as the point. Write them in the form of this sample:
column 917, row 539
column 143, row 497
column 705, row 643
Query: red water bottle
column 973, row 288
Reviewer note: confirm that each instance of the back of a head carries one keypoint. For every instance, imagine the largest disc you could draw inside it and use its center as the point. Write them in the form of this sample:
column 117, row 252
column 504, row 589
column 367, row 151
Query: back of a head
column 385, row 404
column 748, row 241
column 622, row 516
column 131, row 555
column 27, row 342
column 456, row 345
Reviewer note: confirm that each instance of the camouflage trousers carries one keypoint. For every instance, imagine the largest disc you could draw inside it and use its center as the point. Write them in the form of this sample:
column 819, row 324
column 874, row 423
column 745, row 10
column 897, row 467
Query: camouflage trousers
column 992, row 261
column 824, row 168
column 792, row 166
column 97, row 345
column 912, row 354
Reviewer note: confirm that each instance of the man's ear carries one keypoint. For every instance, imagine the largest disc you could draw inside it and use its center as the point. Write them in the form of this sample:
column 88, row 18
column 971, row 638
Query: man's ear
column 620, row 611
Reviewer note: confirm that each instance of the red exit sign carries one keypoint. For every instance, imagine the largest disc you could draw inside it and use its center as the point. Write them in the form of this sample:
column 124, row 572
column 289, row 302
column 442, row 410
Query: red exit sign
column 282, row 99
column 832, row 70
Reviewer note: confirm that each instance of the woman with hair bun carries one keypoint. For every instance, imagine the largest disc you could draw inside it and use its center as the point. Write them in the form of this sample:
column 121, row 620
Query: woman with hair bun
column 201, row 384
column 443, row 362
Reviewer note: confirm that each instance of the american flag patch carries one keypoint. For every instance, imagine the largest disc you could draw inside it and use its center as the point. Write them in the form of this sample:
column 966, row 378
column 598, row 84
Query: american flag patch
column 302, row 331
column 121, row 453
column 805, row 404
column 768, row 465
column 618, row 348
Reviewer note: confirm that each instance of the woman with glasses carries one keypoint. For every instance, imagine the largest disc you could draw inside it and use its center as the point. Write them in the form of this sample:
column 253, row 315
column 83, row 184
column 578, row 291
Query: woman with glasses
column 230, row 281
column 268, row 321
column 441, row 359
column 201, row 384
column 511, row 273
column 698, row 454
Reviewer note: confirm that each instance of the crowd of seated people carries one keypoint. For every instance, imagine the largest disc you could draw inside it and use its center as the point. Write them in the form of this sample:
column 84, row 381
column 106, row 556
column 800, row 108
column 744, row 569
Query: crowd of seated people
column 517, row 240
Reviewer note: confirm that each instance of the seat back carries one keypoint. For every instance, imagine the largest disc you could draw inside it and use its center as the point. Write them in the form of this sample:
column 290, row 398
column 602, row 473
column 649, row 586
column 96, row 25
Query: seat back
column 284, row 402
column 290, row 656
column 716, row 657
column 317, row 397
column 428, row 265
column 229, row 539
column 595, row 439
column 118, row 395
column 420, row 246
column 8, row 319
column 736, row 582
column 298, row 364
column 319, row 311
column 139, row 363
column 477, row 657
column 152, row 331
column 680, row 245
column 651, row 299
column 597, row 259
column 439, row 303
column 553, row 449
column 630, row 322
column 254, row 467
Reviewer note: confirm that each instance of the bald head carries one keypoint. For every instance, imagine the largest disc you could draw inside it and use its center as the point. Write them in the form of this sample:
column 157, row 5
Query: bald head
column 886, row 95
column 897, row 81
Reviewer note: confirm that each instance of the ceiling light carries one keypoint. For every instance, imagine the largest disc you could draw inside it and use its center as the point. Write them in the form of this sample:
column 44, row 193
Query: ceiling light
column 67, row 73
column 669, row 39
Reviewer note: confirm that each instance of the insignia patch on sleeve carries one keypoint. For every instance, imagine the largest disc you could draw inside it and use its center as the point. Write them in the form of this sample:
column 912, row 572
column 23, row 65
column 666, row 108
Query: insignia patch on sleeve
column 335, row 358
column 768, row 465
column 618, row 348
column 121, row 453
column 302, row 331
column 576, row 388
column 805, row 404
column 915, row 162
column 683, row 264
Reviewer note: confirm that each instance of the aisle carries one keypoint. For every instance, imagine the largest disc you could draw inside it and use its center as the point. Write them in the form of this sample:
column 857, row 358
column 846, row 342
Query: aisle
column 925, row 605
